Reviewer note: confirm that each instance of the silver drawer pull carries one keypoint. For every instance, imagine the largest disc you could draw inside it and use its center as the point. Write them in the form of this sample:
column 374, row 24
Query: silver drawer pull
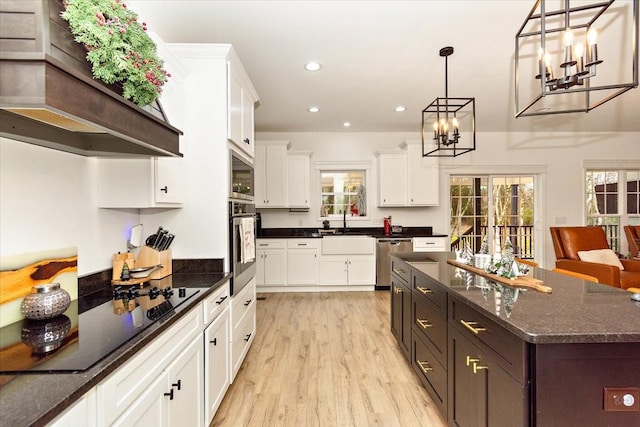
column 302, row 244
column 472, row 326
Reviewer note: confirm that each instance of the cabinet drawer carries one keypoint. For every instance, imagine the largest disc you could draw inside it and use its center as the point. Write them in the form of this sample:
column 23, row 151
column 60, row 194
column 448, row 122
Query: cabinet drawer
column 429, row 244
column 431, row 324
column 430, row 290
column 215, row 303
column 241, row 339
column 510, row 351
column 241, row 303
column 431, row 373
column 303, row 243
column 401, row 269
column 270, row 244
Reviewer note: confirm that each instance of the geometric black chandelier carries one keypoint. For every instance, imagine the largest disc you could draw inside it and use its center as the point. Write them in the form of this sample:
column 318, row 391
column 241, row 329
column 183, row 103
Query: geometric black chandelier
column 556, row 54
column 443, row 119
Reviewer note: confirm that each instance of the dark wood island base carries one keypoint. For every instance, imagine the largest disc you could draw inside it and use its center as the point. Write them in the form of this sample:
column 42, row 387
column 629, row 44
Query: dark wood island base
column 491, row 355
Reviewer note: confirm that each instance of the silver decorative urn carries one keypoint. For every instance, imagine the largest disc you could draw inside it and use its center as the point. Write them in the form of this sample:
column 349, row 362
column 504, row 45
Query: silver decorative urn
column 45, row 302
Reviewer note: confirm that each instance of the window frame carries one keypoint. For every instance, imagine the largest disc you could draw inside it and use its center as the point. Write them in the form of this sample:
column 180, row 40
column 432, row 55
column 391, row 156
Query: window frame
column 343, row 166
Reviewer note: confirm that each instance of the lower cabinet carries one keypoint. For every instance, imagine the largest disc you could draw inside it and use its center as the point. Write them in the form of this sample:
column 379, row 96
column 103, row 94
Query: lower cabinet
column 82, row 413
column 271, row 262
column 302, row 262
column 481, row 392
column 243, row 325
column 347, row 270
column 401, row 314
column 217, row 367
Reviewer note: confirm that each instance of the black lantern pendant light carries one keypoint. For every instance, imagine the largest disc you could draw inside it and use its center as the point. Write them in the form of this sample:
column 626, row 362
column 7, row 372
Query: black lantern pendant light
column 447, row 116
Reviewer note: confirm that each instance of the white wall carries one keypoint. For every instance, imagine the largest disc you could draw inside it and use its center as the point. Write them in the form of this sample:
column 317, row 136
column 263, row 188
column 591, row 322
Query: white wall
column 559, row 155
column 48, row 201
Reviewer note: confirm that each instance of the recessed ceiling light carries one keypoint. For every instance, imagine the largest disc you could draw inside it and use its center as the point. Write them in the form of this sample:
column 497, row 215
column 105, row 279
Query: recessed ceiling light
column 400, row 109
column 313, row 109
column 312, row 66
column 346, row 124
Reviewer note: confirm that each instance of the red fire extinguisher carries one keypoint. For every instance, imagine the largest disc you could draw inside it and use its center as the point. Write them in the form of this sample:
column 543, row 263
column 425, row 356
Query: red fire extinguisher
column 387, row 226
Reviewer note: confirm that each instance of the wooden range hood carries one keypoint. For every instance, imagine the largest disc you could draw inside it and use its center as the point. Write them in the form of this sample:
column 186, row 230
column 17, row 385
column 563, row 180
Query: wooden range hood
column 48, row 96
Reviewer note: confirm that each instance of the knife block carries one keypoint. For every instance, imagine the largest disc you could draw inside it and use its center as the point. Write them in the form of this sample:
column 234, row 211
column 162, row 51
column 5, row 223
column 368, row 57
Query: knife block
column 148, row 257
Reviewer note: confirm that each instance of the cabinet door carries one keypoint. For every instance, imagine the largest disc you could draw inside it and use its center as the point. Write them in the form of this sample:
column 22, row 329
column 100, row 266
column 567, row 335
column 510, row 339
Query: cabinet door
column 260, row 174
column 333, row 270
column 276, row 176
column 362, row 270
column 260, row 267
column 467, row 390
column 401, row 315
column 185, row 375
column 274, row 267
column 298, row 181
column 392, row 179
column 151, row 409
column 169, row 178
column 247, row 123
column 216, row 364
column 422, row 178
column 82, row 413
column 302, row 267
column 234, row 105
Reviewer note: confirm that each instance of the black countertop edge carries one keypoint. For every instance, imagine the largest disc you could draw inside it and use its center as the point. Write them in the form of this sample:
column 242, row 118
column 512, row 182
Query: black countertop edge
column 377, row 232
column 47, row 395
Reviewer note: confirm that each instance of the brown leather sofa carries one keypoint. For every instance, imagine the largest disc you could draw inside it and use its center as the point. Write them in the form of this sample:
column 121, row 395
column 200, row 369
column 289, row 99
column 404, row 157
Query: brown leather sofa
column 568, row 241
column 633, row 238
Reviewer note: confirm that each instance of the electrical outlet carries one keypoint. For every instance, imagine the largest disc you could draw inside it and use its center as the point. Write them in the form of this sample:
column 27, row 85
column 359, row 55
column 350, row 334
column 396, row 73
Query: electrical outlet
column 622, row 399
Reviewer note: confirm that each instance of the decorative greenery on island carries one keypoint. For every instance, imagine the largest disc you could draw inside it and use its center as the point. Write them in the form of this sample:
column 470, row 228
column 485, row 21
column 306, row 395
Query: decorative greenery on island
column 119, row 48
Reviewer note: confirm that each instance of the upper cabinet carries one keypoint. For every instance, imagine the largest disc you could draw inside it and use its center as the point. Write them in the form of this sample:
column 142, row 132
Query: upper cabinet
column 271, row 174
column 140, row 183
column 298, row 165
column 241, row 98
column 406, row 179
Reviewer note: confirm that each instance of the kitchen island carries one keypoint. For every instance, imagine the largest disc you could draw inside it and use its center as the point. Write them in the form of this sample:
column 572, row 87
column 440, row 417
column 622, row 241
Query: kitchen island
column 496, row 355
column 37, row 398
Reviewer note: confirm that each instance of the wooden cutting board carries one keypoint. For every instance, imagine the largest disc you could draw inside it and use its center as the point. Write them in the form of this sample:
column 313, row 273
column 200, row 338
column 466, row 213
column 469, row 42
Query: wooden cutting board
column 518, row 282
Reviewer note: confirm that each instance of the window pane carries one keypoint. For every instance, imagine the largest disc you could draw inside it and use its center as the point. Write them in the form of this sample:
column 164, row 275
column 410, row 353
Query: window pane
column 343, row 191
column 633, row 192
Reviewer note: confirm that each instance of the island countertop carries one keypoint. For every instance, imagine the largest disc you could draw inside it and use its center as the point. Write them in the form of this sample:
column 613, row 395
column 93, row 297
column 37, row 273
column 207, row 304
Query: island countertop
column 577, row 311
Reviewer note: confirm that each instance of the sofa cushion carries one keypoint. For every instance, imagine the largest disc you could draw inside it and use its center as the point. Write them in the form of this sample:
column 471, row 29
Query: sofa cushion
column 601, row 256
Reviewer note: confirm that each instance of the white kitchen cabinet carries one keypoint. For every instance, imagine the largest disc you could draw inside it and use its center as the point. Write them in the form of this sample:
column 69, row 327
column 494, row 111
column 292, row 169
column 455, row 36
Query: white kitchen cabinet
column 271, row 262
column 406, row 179
column 241, row 99
column 140, row 183
column 392, row 179
column 298, row 165
column 423, row 177
column 82, row 413
column 348, row 260
column 303, row 264
column 243, row 325
column 217, row 369
column 430, row 244
column 271, row 173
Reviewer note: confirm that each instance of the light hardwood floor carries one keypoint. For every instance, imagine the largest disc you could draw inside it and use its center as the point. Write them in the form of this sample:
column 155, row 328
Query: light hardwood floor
column 326, row 359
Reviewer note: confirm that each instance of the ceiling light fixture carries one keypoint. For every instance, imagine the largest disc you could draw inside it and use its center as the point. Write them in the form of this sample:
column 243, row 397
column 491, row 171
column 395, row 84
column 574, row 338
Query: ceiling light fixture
column 312, row 66
column 313, row 109
column 446, row 116
column 569, row 34
column 400, row 109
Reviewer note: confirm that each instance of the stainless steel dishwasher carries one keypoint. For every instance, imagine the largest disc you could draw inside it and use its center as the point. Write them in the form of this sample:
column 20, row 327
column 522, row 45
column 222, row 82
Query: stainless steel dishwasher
column 385, row 246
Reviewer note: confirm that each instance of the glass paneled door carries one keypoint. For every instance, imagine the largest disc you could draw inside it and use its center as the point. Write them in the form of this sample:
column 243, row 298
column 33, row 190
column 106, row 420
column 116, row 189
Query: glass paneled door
column 495, row 208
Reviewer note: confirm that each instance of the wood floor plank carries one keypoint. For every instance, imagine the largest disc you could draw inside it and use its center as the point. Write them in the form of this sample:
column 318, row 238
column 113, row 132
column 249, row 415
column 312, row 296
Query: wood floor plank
column 326, row 359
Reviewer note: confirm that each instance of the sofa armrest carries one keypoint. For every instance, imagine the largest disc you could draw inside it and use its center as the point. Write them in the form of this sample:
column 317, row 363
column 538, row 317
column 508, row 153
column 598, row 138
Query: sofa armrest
column 606, row 274
column 631, row 265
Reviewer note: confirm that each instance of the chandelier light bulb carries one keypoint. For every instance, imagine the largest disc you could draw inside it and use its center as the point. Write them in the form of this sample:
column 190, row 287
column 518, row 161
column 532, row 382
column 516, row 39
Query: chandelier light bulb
column 568, row 37
column 592, row 36
column 579, row 50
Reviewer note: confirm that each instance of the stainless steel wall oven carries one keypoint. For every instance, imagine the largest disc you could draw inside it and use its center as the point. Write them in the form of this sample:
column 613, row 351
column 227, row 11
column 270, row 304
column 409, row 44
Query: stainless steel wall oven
column 242, row 260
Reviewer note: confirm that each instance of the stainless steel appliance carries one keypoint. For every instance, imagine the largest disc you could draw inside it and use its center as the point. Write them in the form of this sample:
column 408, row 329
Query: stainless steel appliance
column 385, row 246
column 241, row 178
column 243, row 268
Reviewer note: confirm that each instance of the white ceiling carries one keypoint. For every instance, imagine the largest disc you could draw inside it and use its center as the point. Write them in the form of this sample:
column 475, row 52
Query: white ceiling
column 377, row 55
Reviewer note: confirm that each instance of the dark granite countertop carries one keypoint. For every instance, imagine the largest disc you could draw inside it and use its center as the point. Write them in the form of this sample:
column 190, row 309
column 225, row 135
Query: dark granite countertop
column 577, row 311
column 37, row 398
column 377, row 232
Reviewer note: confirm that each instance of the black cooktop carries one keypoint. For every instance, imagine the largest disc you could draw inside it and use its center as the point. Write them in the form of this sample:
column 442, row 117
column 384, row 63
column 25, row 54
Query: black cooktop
column 87, row 332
